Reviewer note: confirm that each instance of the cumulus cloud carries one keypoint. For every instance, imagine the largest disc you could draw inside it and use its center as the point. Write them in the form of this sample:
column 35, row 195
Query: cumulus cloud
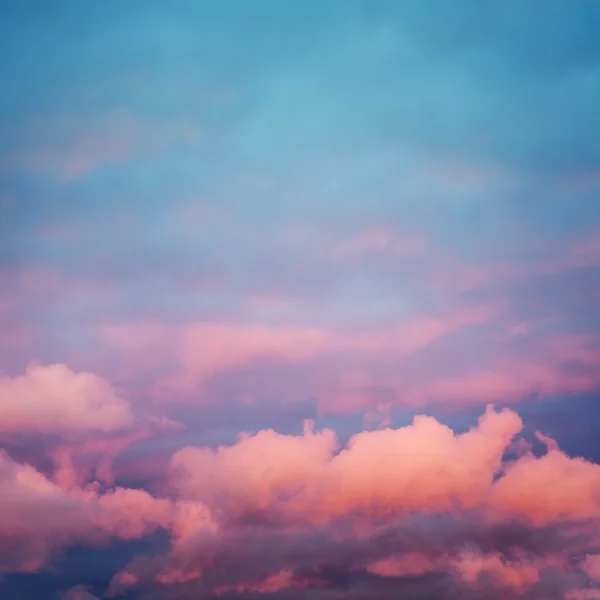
column 577, row 496
column 281, row 514
column 277, row 512
column 90, row 455
column 423, row 467
column 38, row 518
column 53, row 399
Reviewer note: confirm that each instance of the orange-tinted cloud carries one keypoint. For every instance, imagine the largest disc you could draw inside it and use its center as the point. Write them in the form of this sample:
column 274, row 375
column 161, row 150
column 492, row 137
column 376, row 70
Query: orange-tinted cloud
column 308, row 499
column 423, row 467
column 394, row 504
column 571, row 488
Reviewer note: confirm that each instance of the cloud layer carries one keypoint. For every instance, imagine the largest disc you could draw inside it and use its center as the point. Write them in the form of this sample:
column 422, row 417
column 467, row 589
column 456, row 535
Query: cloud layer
column 274, row 513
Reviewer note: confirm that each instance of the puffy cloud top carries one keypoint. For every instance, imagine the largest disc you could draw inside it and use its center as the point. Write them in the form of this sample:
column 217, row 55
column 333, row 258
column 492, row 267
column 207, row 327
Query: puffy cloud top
column 54, row 399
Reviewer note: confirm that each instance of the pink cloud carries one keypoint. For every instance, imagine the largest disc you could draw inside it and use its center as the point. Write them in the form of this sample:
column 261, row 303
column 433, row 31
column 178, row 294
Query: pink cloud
column 201, row 350
column 591, row 566
column 294, row 483
column 400, row 566
column 423, row 467
column 511, row 378
column 372, row 371
column 128, row 513
column 447, row 275
column 470, row 565
column 352, row 497
column 82, row 458
column 285, row 579
column 253, row 473
column 38, row 518
column 577, row 496
column 54, row 399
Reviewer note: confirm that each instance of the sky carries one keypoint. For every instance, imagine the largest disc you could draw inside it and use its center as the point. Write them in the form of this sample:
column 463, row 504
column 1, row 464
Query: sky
column 300, row 300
